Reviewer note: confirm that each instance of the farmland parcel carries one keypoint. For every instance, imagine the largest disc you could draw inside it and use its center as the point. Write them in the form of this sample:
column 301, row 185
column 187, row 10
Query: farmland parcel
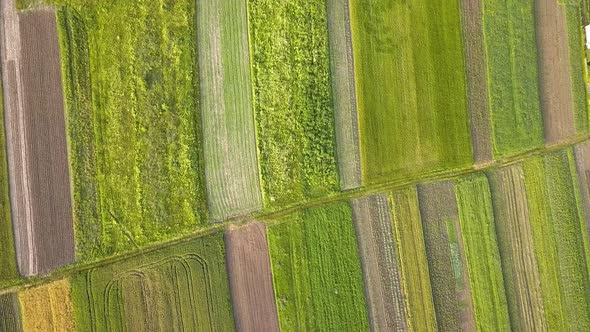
column 10, row 315
column 317, row 274
column 411, row 89
column 47, row 307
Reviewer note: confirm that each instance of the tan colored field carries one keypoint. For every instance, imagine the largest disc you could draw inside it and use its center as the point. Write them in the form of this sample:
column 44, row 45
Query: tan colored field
column 47, row 308
column 250, row 278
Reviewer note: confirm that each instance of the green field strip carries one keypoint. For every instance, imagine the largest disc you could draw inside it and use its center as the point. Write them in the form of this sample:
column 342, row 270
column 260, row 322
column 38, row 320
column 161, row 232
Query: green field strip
column 581, row 153
column 378, row 254
column 482, row 254
column 229, row 137
column 10, row 315
column 511, row 54
column 145, row 121
column 293, row 100
column 411, row 88
column 451, row 291
column 412, row 260
column 517, row 252
column 344, row 94
column 316, row 270
column 8, row 269
column 577, row 65
column 559, row 241
column 186, row 285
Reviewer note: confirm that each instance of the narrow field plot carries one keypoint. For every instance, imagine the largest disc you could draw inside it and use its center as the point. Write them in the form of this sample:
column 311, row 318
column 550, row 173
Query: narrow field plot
column 47, row 307
column 132, row 106
column 378, row 253
column 293, row 99
column 44, row 234
column 451, row 291
column 517, row 251
column 8, row 268
column 582, row 160
column 181, row 287
column 484, row 266
column 343, row 90
column 229, row 137
column 411, row 87
column 577, row 55
column 250, row 278
column 317, row 273
column 509, row 30
column 10, row 315
column 560, row 240
column 413, row 264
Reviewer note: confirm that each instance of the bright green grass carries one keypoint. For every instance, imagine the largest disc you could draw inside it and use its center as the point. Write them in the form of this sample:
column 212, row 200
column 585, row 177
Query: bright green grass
column 509, row 32
column 412, row 260
column 411, row 88
column 577, row 59
column 293, row 106
column 133, row 122
column 181, row 287
column 316, row 271
column 7, row 254
column 481, row 250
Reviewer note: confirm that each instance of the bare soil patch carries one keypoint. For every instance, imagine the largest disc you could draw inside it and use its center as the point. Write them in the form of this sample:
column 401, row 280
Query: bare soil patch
column 250, row 278
column 554, row 76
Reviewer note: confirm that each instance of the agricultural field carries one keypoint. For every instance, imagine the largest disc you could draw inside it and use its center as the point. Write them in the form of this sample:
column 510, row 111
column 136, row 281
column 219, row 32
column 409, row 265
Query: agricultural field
column 316, row 271
column 10, row 316
column 411, row 88
column 184, row 286
column 511, row 57
column 47, row 308
column 293, row 99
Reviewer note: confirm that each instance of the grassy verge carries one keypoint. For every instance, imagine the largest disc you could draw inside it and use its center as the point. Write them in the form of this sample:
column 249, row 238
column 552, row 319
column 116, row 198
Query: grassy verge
column 412, row 260
column 293, row 105
column 482, row 253
column 411, row 87
column 316, row 270
column 509, row 32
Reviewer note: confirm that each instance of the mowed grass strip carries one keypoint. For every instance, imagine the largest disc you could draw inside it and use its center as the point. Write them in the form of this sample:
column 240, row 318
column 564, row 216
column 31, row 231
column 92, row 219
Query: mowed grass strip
column 180, row 287
column 511, row 53
column 446, row 257
column 412, row 260
column 293, row 99
column 229, row 137
column 48, row 307
column 411, row 87
column 559, row 240
column 343, row 90
column 316, row 270
column 577, row 56
column 517, row 251
column 147, row 162
column 8, row 268
column 484, row 266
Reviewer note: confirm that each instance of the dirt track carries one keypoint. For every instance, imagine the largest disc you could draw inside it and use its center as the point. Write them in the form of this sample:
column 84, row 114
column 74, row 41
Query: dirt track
column 250, row 278
column 554, row 75
column 377, row 249
column 36, row 140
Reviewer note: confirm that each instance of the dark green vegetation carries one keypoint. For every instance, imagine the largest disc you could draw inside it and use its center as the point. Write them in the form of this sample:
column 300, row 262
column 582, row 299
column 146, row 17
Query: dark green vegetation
column 7, row 254
column 481, row 250
column 184, row 286
column 559, row 235
column 411, row 87
column 293, row 105
column 10, row 316
column 316, row 270
column 133, row 121
column 577, row 66
column 511, row 52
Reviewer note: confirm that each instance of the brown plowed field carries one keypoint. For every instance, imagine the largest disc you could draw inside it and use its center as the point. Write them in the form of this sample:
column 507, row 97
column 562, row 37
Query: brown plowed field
column 250, row 278
column 554, row 75
column 477, row 85
column 377, row 249
column 50, row 235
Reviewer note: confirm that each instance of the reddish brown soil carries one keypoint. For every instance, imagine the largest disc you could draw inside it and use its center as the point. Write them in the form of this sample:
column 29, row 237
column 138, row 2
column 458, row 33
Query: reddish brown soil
column 477, row 85
column 250, row 278
column 51, row 235
column 554, row 75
